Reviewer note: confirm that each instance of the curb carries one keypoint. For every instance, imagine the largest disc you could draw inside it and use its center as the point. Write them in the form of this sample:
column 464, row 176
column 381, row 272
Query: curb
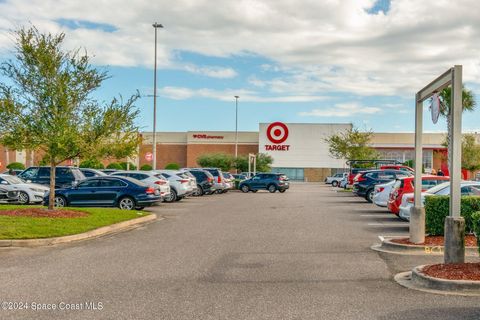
column 389, row 246
column 114, row 228
column 417, row 281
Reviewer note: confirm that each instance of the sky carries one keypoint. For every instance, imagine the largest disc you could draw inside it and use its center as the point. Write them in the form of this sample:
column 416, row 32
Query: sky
column 304, row 61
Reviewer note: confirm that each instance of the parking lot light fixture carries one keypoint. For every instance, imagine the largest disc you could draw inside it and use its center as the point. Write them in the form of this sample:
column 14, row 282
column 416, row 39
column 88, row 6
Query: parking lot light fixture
column 236, row 128
column 154, row 142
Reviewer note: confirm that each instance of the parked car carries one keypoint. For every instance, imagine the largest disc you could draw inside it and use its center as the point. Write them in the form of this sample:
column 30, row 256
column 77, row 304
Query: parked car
column 240, row 176
column 14, row 171
column 123, row 192
column 8, row 195
column 405, row 185
column 64, row 176
column 108, row 171
column 266, row 181
column 364, row 183
column 193, row 180
column 88, row 173
column 150, row 178
column 228, row 180
column 397, row 167
column 382, row 192
column 468, row 188
column 26, row 192
column 204, row 181
column 180, row 186
column 218, row 182
column 335, row 179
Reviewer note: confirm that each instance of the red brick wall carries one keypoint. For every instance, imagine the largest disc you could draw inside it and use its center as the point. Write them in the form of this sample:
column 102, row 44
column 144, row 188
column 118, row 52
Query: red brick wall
column 196, row 150
column 166, row 153
column 3, row 158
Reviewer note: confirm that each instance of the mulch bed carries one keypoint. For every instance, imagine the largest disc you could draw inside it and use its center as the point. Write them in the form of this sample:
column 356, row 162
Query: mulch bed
column 43, row 213
column 470, row 241
column 454, row 271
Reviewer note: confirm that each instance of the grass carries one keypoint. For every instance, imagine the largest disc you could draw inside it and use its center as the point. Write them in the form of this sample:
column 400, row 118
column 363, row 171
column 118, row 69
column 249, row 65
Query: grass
column 32, row 228
column 345, row 190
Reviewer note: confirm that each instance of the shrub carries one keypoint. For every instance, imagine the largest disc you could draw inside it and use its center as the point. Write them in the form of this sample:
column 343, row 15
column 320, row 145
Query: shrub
column 216, row 160
column 16, row 166
column 92, row 164
column 172, row 166
column 476, row 227
column 124, row 166
column 437, row 209
column 146, row 167
column 114, row 165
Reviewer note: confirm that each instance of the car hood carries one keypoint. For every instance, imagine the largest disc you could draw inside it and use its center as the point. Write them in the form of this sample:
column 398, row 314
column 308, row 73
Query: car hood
column 30, row 186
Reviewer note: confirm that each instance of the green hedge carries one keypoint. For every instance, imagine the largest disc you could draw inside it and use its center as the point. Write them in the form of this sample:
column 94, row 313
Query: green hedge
column 146, row 167
column 476, row 227
column 172, row 166
column 16, row 166
column 92, row 164
column 437, row 208
column 114, row 165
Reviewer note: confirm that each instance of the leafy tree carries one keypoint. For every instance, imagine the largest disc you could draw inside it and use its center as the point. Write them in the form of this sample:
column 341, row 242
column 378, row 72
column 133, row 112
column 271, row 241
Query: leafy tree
column 263, row 163
column 468, row 104
column 351, row 145
column 172, row 166
column 146, row 167
column 48, row 105
column 470, row 153
column 115, row 165
column 92, row 164
column 216, row 160
column 16, row 166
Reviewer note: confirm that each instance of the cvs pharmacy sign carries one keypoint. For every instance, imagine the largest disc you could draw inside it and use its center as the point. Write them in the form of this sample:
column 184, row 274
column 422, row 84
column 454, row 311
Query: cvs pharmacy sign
column 277, row 133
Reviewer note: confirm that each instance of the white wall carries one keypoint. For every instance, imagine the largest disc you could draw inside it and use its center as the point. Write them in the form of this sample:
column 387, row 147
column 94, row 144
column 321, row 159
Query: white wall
column 307, row 146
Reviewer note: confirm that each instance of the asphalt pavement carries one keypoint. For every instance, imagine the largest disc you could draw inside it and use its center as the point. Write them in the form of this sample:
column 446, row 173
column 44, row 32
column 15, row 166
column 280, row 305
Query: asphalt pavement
column 303, row 254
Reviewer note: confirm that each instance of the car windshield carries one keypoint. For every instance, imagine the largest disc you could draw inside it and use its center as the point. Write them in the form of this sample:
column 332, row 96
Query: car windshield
column 12, row 179
column 437, row 188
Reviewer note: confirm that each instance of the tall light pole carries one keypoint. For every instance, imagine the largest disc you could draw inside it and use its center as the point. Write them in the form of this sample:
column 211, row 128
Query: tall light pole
column 236, row 126
column 154, row 149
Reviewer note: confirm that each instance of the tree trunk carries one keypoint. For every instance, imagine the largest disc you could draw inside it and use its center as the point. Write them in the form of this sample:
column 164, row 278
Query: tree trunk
column 51, row 198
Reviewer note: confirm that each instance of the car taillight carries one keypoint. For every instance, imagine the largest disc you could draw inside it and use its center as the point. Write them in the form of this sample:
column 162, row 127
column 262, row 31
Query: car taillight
column 360, row 178
column 160, row 182
column 183, row 181
column 210, row 179
column 380, row 189
column 219, row 179
column 410, row 200
column 150, row 190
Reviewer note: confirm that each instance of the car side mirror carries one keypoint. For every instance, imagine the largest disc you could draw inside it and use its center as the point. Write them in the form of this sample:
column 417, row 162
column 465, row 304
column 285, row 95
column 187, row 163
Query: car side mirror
column 4, row 182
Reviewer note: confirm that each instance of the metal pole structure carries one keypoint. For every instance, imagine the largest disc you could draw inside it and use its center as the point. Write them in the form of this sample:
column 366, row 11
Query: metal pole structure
column 236, row 130
column 455, row 224
column 154, row 147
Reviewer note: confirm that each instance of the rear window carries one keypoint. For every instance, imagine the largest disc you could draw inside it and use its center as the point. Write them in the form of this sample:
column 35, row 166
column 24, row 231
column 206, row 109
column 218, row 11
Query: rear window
column 213, row 172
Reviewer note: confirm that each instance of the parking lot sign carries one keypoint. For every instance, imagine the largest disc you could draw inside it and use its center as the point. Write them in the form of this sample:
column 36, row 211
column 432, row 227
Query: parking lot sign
column 148, row 156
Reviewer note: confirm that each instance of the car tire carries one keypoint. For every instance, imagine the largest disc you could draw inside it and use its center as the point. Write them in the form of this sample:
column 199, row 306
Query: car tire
column 199, row 191
column 335, row 184
column 179, row 198
column 282, row 190
column 126, row 203
column 172, row 196
column 369, row 196
column 271, row 188
column 254, row 191
column 23, row 197
column 245, row 188
column 59, row 202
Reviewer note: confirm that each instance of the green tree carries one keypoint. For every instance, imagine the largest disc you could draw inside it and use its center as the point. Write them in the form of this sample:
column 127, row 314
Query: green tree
column 48, row 105
column 115, row 165
column 470, row 153
column 351, row 145
column 216, row 160
column 468, row 104
column 263, row 163
column 16, row 166
column 172, row 166
column 129, row 166
column 92, row 164
column 146, row 167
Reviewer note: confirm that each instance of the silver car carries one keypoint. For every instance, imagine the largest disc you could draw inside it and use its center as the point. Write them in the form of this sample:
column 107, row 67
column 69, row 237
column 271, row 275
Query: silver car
column 150, row 178
column 180, row 185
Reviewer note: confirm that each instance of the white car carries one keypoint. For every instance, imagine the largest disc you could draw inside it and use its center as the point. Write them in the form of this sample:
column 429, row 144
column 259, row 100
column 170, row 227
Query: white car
column 180, row 184
column 336, row 179
column 382, row 193
column 150, row 178
column 27, row 192
column 468, row 188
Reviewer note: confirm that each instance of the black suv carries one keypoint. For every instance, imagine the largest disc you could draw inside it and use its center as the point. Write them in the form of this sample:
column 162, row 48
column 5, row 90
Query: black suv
column 364, row 183
column 64, row 176
column 204, row 181
column 266, row 181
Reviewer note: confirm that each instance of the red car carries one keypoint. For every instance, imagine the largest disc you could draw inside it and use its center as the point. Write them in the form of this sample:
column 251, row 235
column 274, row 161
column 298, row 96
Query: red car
column 405, row 185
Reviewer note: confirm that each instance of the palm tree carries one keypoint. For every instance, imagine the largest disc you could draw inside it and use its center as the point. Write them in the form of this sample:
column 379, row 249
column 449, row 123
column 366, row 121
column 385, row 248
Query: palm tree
column 468, row 104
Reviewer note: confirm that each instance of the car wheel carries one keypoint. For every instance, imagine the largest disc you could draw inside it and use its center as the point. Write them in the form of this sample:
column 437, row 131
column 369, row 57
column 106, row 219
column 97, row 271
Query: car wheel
column 23, row 197
column 126, row 203
column 172, row 196
column 199, row 192
column 245, row 188
column 272, row 188
column 335, row 184
column 282, row 190
column 369, row 196
column 178, row 198
column 59, row 202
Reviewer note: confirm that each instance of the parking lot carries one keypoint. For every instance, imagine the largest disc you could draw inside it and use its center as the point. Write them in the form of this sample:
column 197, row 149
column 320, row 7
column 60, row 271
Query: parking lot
column 303, row 254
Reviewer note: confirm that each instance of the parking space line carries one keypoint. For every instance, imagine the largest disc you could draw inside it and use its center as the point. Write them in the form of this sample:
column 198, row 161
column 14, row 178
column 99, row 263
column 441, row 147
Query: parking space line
column 388, row 224
column 380, row 215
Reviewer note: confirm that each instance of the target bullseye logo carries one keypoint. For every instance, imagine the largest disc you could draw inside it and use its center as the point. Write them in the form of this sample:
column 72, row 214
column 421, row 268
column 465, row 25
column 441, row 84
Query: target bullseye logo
column 277, row 132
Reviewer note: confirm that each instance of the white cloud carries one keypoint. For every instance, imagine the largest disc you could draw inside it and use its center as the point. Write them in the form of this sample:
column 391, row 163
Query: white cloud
column 179, row 93
column 214, row 72
column 341, row 110
column 323, row 46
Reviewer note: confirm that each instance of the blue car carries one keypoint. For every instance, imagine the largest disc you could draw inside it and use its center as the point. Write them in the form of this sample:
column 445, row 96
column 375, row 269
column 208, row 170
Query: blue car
column 123, row 192
column 265, row 181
